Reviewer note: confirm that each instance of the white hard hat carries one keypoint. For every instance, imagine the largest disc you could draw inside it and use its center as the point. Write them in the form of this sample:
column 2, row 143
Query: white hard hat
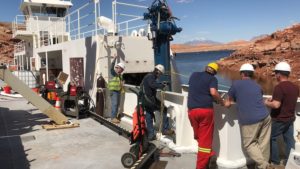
column 121, row 65
column 283, row 66
column 160, row 67
column 247, row 67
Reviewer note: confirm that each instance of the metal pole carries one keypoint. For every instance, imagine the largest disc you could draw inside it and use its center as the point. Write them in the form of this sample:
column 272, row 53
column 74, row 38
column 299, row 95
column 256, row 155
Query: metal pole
column 27, row 62
column 69, row 26
column 115, row 23
column 22, row 62
column 95, row 10
column 99, row 9
column 126, row 28
column 47, row 71
column 17, row 63
column 78, row 15
column 113, row 16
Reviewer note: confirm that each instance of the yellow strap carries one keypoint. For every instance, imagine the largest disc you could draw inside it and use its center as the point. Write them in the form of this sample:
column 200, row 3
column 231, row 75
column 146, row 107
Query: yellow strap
column 204, row 150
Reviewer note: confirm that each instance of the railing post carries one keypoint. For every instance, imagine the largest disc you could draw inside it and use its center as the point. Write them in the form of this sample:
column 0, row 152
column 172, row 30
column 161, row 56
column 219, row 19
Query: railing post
column 69, row 24
column 114, row 10
column 47, row 71
column 95, row 11
column 127, row 31
column 78, row 26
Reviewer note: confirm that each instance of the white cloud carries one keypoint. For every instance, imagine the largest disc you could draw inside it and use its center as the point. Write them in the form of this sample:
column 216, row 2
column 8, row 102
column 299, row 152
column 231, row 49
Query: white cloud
column 184, row 1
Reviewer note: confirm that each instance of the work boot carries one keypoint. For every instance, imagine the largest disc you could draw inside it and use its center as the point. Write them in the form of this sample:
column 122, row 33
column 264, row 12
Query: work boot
column 115, row 120
column 168, row 132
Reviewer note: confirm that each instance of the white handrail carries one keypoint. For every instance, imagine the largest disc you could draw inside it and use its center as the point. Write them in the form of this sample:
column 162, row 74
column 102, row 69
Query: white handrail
column 77, row 24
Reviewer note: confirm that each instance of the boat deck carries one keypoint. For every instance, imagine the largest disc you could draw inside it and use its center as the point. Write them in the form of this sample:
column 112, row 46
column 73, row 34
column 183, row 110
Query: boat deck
column 24, row 144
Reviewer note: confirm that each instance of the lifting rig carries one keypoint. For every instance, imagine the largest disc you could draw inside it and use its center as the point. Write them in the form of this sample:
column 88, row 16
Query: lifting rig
column 60, row 120
column 162, row 28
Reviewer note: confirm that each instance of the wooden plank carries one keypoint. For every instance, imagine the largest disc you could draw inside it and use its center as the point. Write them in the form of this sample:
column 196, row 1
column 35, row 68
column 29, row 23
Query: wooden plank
column 63, row 126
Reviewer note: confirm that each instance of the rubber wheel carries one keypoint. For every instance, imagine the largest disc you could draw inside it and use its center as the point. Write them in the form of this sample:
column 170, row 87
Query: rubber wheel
column 135, row 150
column 128, row 160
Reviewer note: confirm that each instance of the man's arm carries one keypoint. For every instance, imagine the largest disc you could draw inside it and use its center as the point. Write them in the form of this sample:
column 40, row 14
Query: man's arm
column 228, row 102
column 274, row 104
column 215, row 94
column 112, row 67
column 154, row 84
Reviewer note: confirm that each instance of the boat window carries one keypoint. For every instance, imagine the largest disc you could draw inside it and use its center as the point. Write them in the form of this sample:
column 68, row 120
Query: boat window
column 48, row 11
column 61, row 12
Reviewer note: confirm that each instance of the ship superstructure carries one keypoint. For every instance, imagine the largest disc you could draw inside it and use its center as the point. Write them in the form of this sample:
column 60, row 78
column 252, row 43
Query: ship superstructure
column 82, row 43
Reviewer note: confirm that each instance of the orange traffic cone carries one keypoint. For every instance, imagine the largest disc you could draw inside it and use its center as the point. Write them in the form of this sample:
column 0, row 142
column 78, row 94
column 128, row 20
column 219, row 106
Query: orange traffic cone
column 57, row 104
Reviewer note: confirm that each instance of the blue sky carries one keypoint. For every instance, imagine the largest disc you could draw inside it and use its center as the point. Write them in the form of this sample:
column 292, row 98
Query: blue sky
column 218, row 20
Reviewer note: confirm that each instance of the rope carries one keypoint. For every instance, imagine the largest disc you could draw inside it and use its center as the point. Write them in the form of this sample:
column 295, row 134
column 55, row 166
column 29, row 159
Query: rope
column 162, row 106
column 186, row 76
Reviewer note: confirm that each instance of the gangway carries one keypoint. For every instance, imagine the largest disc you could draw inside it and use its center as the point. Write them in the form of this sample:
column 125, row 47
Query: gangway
column 17, row 85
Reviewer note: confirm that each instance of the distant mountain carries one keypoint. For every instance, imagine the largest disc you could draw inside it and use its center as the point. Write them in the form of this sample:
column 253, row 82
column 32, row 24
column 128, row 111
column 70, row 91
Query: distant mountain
column 202, row 42
column 208, row 45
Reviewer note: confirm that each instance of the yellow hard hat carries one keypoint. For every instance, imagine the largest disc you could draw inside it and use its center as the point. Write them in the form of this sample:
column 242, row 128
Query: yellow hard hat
column 214, row 66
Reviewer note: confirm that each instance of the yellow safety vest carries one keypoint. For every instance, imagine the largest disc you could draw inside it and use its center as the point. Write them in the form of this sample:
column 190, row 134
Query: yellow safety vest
column 114, row 84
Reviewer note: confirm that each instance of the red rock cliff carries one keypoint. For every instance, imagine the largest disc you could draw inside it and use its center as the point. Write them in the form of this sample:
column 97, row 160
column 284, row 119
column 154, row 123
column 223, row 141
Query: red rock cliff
column 265, row 53
column 6, row 43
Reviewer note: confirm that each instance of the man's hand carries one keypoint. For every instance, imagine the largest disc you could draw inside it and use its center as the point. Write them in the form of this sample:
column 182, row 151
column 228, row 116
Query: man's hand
column 274, row 104
column 267, row 100
column 166, row 84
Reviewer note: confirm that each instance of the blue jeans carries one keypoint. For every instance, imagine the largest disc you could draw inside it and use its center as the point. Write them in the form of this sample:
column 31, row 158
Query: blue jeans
column 287, row 130
column 149, row 123
column 115, row 99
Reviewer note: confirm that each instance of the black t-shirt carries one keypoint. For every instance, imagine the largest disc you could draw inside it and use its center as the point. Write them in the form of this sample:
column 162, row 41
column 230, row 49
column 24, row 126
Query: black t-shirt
column 287, row 93
column 199, row 90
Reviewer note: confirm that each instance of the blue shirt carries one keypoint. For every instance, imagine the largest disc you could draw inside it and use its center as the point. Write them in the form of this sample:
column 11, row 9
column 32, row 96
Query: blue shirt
column 199, row 90
column 249, row 98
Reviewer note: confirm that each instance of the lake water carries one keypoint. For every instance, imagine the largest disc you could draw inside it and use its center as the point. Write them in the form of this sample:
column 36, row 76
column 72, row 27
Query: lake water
column 187, row 63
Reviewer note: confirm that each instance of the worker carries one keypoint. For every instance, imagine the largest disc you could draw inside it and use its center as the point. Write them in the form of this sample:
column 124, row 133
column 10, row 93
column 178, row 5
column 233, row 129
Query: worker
column 253, row 116
column 115, row 85
column 282, row 104
column 149, row 88
column 203, row 91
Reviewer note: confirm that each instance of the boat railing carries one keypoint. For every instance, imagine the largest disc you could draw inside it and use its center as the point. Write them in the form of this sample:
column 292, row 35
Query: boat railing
column 81, row 23
column 129, row 23
column 55, row 0
column 22, row 23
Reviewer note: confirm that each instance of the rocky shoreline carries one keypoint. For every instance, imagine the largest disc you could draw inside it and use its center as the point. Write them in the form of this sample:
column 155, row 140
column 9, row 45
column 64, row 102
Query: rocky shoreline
column 265, row 53
column 6, row 43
